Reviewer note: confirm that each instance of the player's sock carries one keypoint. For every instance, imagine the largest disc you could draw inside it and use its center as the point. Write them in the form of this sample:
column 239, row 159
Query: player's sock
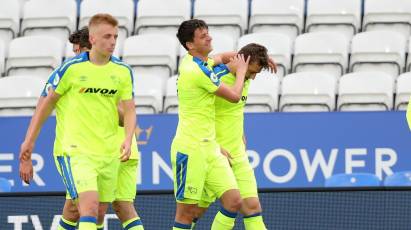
column 87, row 223
column 194, row 223
column 224, row 220
column 254, row 222
column 66, row 225
column 133, row 224
column 179, row 226
column 100, row 226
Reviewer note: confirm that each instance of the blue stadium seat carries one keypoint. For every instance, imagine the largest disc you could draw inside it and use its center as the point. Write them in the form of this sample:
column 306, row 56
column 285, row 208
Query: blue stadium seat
column 352, row 180
column 5, row 185
column 398, row 179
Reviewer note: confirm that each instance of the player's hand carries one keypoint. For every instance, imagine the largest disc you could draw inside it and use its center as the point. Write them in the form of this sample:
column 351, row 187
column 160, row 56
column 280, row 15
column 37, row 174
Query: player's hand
column 272, row 65
column 26, row 170
column 125, row 151
column 25, row 150
column 226, row 154
column 241, row 64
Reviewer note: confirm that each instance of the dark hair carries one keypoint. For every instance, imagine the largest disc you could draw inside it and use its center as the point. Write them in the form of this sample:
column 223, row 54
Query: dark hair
column 80, row 37
column 258, row 54
column 187, row 28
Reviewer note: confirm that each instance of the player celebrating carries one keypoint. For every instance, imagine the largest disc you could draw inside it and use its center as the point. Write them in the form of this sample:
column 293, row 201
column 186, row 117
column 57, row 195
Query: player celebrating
column 195, row 155
column 93, row 84
column 229, row 130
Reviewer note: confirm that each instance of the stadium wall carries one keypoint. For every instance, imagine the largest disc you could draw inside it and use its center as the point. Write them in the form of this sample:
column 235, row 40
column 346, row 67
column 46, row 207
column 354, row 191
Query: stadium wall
column 287, row 150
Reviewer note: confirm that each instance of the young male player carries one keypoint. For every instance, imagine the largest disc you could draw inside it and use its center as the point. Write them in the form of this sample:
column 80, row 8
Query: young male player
column 93, row 84
column 195, row 155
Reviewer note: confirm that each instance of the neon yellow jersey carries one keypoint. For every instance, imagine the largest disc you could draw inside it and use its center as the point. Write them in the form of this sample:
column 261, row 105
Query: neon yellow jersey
column 229, row 117
column 196, row 85
column 60, row 107
column 134, row 148
column 408, row 115
column 92, row 93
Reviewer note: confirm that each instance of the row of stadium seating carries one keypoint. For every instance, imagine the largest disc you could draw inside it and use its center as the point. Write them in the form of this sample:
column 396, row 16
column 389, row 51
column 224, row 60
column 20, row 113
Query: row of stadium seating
column 297, row 92
column 375, row 50
column 294, row 16
column 368, row 180
column 234, row 17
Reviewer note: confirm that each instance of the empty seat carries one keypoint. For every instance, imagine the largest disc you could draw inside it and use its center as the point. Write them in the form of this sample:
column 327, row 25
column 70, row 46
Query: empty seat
column 366, row 91
column 334, row 16
column 398, row 179
column 228, row 16
column 353, row 180
column 69, row 51
column 22, row 101
column 315, row 52
column 122, row 10
column 388, row 15
column 171, row 99
column 277, row 16
column 140, row 53
column 279, row 47
column 403, row 91
column 161, row 16
column 308, row 91
column 378, row 51
column 9, row 20
column 263, row 93
column 34, row 55
column 49, row 17
column 149, row 92
column 223, row 43
column 408, row 67
column 2, row 56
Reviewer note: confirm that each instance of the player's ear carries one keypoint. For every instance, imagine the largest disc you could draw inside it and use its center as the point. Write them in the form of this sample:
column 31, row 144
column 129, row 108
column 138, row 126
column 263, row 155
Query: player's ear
column 190, row 45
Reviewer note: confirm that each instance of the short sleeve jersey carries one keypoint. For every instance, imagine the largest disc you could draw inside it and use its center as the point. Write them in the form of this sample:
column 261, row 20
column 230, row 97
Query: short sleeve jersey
column 196, row 85
column 92, row 93
column 229, row 116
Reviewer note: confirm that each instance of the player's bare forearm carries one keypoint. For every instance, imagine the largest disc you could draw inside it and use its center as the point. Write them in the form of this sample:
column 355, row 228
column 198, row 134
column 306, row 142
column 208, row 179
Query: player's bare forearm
column 233, row 93
column 129, row 118
column 224, row 57
column 120, row 114
column 43, row 110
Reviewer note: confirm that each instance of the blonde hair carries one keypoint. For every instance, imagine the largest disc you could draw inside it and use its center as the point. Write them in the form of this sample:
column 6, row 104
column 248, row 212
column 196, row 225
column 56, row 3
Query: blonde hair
column 98, row 19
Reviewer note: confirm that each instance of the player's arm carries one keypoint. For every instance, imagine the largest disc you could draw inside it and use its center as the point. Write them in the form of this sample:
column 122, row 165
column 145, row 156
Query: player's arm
column 44, row 108
column 120, row 114
column 223, row 57
column 129, row 127
column 233, row 93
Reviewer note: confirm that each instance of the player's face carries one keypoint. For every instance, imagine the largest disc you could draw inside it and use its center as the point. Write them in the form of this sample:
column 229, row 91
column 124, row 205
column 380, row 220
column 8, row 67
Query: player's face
column 253, row 69
column 76, row 49
column 202, row 41
column 103, row 38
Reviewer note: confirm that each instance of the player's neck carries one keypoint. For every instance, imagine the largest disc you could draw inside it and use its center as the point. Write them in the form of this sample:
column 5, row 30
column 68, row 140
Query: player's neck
column 97, row 58
column 194, row 53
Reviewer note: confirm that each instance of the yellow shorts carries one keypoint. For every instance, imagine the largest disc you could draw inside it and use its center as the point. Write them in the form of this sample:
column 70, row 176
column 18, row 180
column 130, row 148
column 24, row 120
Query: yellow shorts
column 127, row 181
column 87, row 172
column 244, row 175
column 200, row 171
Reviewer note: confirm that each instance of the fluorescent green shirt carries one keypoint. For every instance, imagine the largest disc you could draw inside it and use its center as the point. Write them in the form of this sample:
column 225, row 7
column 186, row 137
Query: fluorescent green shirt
column 196, row 85
column 92, row 93
column 229, row 116
column 60, row 107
